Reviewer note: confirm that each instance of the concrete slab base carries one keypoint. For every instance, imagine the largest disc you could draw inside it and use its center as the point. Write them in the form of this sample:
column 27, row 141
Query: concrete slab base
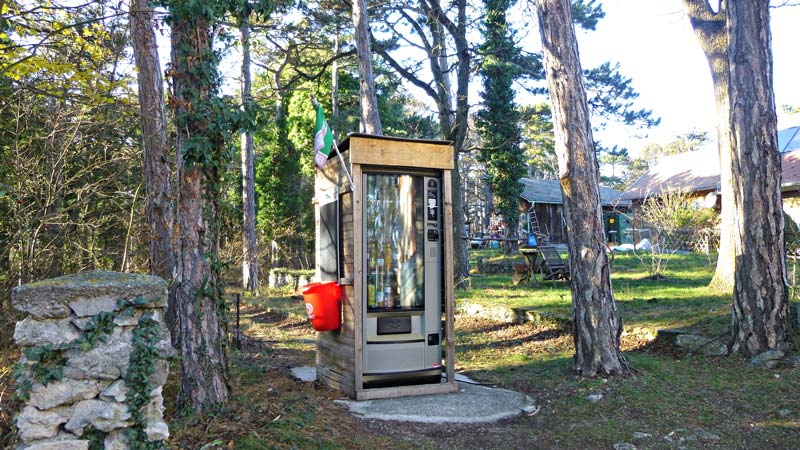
column 305, row 373
column 471, row 404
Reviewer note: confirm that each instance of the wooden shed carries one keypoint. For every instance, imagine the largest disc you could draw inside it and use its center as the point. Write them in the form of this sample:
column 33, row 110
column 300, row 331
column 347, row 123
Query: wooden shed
column 380, row 326
column 542, row 204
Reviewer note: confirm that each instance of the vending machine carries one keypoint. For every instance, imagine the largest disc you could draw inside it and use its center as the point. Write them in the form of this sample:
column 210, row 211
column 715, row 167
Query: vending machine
column 385, row 233
column 402, row 278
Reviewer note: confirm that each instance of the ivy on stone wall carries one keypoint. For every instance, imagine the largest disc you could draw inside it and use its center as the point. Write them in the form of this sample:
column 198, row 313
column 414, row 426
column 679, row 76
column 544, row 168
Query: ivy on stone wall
column 98, row 330
column 141, row 366
column 48, row 361
column 95, row 437
column 45, row 364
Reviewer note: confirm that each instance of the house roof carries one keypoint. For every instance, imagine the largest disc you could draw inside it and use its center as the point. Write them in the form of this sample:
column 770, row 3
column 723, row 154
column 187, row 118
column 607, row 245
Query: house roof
column 699, row 170
column 685, row 172
column 790, row 170
column 549, row 191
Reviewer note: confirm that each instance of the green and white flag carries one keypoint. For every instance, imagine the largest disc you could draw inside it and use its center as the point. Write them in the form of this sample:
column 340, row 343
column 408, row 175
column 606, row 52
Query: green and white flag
column 323, row 139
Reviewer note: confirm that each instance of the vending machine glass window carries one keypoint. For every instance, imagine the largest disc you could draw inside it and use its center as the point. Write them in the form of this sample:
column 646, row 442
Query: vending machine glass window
column 395, row 213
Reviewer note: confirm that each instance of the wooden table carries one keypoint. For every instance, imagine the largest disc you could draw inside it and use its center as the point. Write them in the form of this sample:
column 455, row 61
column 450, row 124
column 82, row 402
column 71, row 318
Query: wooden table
column 532, row 259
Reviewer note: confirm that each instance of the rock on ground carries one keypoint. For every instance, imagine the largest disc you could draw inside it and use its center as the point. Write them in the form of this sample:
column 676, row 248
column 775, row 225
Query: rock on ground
column 594, row 398
column 768, row 359
column 701, row 344
column 624, row 446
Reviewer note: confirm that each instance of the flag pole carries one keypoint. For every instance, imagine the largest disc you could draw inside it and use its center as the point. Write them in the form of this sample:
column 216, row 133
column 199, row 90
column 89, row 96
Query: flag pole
column 336, row 149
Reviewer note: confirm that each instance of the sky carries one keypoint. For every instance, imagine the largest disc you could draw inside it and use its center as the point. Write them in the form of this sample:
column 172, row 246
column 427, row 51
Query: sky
column 656, row 47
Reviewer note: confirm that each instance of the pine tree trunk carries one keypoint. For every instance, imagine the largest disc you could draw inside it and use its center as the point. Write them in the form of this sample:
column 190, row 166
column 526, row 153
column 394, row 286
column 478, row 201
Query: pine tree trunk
column 453, row 126
column 6, row 282
column 488, row 206
column 53, row 237
column 723, row 278
column 449, row 131
column 596, row 325
column 370, row 119
column 249, row 242
column 760, row 296
column 709, row 27
column 204, row 364
column 460, row 246
column 159, row 206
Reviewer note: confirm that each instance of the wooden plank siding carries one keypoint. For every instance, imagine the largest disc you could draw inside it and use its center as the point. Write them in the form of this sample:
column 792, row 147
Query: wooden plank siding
column 403, row 153
column 405, row 391
column 449, row 279
column 336, row 379
column 358, row 277
column 336, row 349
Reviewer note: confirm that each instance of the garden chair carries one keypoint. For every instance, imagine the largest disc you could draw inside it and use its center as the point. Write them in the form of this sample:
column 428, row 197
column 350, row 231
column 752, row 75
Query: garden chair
column 552, row 267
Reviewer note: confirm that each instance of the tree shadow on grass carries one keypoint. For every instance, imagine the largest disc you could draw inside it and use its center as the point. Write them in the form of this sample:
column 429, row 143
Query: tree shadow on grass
column 541, row 336
column 267, row 317
column 499, row 339
column 277, row 318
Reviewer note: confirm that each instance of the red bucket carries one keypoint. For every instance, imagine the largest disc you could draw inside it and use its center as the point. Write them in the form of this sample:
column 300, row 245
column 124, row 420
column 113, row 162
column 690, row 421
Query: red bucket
column 322, row 304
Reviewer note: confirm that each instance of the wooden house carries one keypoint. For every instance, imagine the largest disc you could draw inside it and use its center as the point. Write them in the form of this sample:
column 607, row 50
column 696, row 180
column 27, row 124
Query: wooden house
column 697, row 175
column 541, row 203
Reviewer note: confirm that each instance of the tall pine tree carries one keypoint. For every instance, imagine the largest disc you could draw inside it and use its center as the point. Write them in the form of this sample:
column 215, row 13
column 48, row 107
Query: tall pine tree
column 499, row 120
column 760, row 291
column 596, row 323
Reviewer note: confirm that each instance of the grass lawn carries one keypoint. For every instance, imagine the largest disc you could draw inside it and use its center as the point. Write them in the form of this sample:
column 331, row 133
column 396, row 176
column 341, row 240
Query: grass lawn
column 744, row 406
column 675, row 400
column 682, row 300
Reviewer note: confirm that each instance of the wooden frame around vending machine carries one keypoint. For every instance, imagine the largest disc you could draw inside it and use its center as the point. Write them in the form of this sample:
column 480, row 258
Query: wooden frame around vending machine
column 340, row 352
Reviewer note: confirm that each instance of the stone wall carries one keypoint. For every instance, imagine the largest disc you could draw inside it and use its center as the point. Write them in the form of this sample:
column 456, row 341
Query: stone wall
column 285, row 278
column 485, row 266
column 94, row 361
